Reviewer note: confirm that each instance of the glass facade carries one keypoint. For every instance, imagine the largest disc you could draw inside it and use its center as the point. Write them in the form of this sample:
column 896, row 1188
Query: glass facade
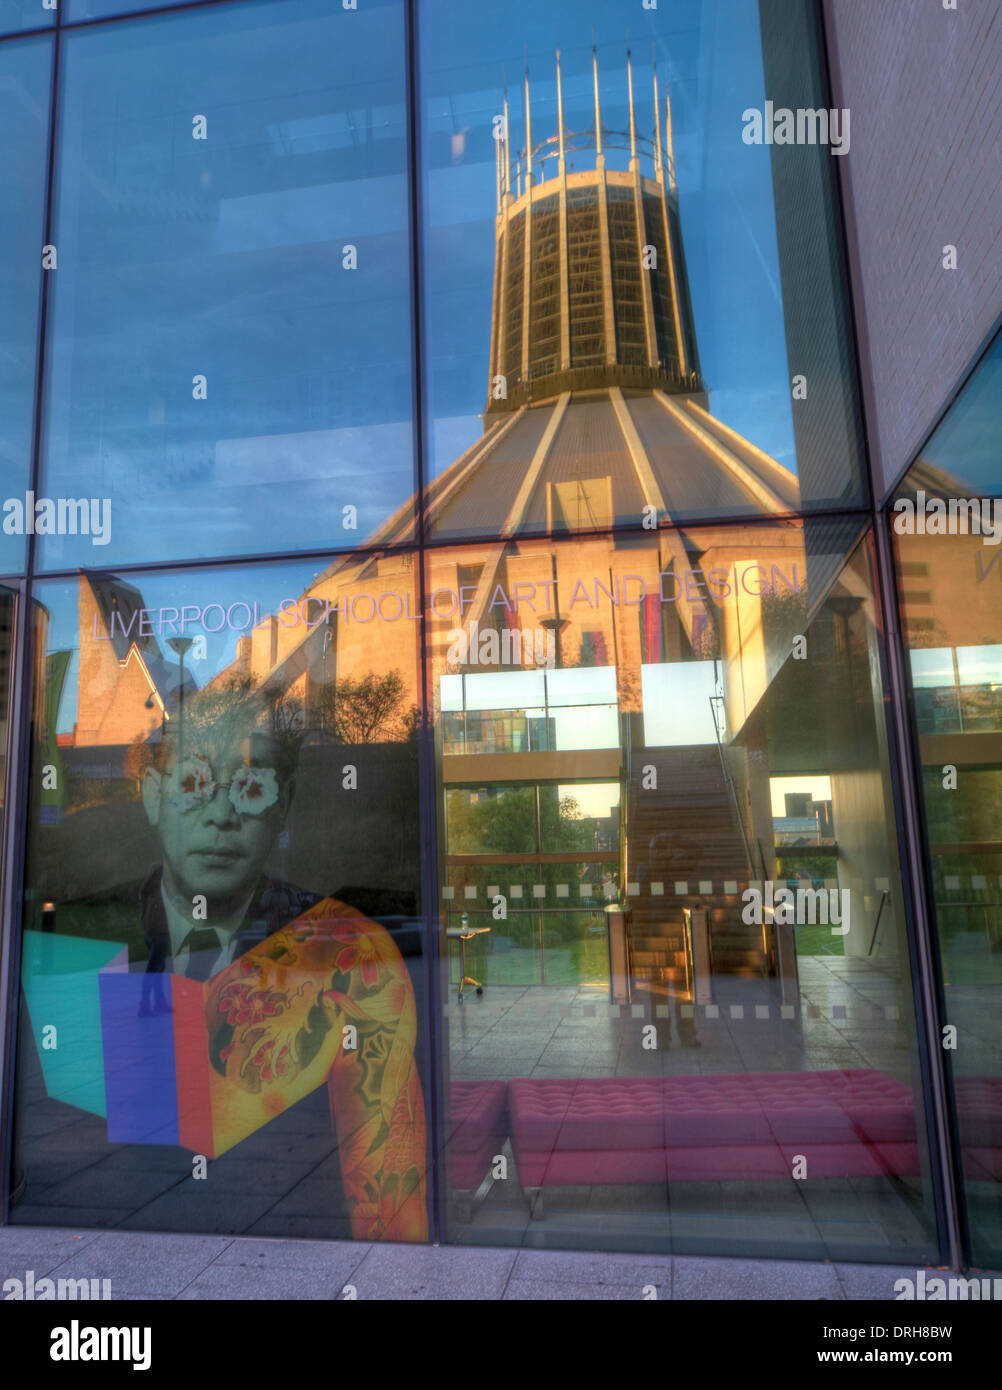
column 673, row 1038
column 18, row 15
column 446, row 659
column 25, row 74
column 948, row 576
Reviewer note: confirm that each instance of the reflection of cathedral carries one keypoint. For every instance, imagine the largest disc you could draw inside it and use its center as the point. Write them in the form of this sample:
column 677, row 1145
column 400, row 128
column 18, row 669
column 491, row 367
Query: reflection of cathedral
column 626, row 737
column 595, row 416
column 595, row 413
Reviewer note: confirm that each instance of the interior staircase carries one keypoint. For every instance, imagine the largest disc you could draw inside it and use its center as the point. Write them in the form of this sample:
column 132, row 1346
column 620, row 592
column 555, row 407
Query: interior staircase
column 686, row 831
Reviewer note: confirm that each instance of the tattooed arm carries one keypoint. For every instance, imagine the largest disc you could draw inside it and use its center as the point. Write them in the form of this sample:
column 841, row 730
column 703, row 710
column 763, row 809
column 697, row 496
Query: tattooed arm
column 329, row 997
column 376, row 1098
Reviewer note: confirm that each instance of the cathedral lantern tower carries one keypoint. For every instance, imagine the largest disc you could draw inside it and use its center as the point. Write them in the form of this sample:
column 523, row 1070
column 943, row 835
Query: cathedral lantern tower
column 597, row 413
column 590, row 288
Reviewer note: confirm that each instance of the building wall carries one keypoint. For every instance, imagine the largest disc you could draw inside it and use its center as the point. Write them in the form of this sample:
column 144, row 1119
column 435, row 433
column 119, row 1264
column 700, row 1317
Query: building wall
column 921, row 173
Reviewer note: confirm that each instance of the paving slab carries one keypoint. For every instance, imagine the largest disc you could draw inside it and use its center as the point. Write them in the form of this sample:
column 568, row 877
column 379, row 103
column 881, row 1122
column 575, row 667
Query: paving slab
column 433, row 1272
column 544, row 1290
column 569, row 1267
column 146, row 1265
column 281, row 1284
column 696, row 1278
column 877, row 1281
column 334, row 1259
column 48, row 1238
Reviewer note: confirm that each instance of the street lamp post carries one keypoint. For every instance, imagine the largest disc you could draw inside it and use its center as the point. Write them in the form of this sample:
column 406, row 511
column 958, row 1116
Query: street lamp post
column 180, row 645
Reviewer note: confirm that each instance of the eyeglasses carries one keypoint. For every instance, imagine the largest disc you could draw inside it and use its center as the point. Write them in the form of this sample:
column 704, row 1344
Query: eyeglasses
column 192, row 785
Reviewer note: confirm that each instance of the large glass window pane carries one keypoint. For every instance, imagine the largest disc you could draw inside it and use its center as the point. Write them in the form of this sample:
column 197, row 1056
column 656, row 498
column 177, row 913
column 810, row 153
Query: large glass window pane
column 962, row 457
column 100, row 9
column 230, row 359
column 946, row 531
column 676, row 978
column 633, row 300
column 25, row 74
column 223, row 998
column 16, row 15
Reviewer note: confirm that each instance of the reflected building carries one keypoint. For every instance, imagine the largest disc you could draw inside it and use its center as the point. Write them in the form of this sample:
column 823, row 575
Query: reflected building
column 670, row 650
column 596, row 412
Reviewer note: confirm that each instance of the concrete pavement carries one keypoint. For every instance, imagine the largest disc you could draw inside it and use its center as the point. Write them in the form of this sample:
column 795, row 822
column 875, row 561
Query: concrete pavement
column 190, row 1267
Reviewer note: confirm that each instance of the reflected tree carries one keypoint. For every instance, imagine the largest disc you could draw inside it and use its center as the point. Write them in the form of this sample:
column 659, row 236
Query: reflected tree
column 369, row 709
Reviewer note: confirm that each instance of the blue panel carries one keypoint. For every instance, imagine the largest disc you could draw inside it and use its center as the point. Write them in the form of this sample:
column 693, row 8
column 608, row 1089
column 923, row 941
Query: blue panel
column 140, row 1075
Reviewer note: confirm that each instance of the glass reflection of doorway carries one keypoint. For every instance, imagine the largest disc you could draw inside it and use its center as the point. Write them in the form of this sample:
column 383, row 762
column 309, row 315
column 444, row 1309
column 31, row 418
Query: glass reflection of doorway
column 550, row 853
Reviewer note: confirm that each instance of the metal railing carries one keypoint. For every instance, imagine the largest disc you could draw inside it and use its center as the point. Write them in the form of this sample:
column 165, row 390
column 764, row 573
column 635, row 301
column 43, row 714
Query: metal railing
column 585, row 142
column 730, row 781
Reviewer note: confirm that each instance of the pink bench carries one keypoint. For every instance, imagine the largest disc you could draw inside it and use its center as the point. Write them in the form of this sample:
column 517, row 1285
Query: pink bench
column 478, row 1126
column 684, row 1128
column 607, row 1130
column 688, row 1128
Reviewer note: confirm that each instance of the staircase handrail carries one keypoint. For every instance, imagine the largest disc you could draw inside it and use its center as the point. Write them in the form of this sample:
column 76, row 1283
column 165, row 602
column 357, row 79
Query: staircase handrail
column 730, row 783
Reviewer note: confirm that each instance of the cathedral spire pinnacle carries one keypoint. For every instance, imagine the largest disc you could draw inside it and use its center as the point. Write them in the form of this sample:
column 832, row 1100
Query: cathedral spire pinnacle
column 507, row 151
column 528, row 133
column 669, row 144
column 598, row 104
column 659, row 172
column 633, row 115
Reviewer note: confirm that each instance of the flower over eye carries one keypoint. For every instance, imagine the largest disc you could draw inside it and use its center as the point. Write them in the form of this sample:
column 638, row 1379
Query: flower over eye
column 196, row 783
column 253, row 790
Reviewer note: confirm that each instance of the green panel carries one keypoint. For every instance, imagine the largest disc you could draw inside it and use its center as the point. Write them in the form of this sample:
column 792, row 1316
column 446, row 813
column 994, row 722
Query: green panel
column 59, row 976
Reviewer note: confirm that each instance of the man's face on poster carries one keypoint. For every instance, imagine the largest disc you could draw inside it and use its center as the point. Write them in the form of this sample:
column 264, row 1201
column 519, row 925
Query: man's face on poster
column 217, row 806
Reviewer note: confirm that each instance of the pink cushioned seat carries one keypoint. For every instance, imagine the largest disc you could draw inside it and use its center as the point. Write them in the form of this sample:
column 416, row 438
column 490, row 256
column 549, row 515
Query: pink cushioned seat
column 478, row 1126
column 652, row 1129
